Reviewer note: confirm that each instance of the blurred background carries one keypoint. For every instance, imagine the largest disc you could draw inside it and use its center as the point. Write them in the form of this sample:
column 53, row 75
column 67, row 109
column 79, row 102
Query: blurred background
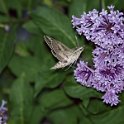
column 34, row 93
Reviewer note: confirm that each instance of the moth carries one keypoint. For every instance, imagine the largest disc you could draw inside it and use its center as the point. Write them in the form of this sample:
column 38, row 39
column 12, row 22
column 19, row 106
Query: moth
column 65, row 55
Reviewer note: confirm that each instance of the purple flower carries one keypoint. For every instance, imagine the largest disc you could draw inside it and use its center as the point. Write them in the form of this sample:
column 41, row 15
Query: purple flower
column 110, row 98
column 109, row 80
column 3, row 113
column 105, row 28
column 109, row 77
column 103, row 57
column 83, row 74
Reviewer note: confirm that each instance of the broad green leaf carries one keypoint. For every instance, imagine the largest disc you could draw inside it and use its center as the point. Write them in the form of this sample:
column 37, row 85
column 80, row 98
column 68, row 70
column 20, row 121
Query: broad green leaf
column 21, row 98
column 69, row 115
column 21, row 49
column 85, row 120
column 31, row 27
column 54, row 99
column 54, row 24
column 37, row 46
column 4, row 7
column 38, row 114
column 117, row 3
column 6, row 79
column 87, row 54
column 48, row 2
column 7, row 41
column 96, row 106
column 48, row 79
column 93, row 5
column 114, row 116
column 3, row 18
column 64, row 116
column 37, row 71
column 28, row 65
column 77, row 8
column 77, row 91
column 121, row 97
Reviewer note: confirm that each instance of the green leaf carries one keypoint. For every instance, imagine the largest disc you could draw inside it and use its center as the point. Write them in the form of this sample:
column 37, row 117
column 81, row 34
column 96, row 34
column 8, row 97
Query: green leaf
column 54, row 99
column 3, row 6
column 3, row 18
column 96, row 106
column 85, row 120
column 77, row 91
column 114, row 116
column 64, row 116
column 77, row 8
column 48, row 79
column 31, row 27
column 69, row 115
column 28, row 65
column 38, row 114
column 21, row 101
column 117, row 3
column 87, row 54
column 7, row 41
column 92, row 5
column 54, row 24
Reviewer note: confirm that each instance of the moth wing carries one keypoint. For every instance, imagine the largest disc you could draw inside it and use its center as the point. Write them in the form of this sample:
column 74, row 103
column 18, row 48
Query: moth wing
column 59, row 65
column 63, row 47
column 58, row 49
column 61, row 50
column 48, row 40
column 58, row 56
column 54, row 44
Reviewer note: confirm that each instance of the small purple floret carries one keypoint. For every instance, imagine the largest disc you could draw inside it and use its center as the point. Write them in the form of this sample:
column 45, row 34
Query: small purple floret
column 3, row 113
column 83, row 74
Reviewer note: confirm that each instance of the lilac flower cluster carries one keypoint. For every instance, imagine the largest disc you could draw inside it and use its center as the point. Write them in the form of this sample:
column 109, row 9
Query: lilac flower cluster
column 106, row 30
column 3, row 113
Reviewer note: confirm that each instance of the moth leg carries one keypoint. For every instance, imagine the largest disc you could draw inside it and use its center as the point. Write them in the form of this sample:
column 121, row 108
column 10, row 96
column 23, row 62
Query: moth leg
column 69, row 67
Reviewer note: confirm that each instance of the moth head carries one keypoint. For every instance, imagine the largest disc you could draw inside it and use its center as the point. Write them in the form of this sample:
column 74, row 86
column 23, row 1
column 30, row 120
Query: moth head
column 79, row 49
column 46, row 37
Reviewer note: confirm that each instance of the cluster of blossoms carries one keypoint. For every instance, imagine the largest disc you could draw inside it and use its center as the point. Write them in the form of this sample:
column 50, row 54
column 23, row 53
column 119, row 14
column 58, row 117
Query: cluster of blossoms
column 106, row 30
column 3, row 113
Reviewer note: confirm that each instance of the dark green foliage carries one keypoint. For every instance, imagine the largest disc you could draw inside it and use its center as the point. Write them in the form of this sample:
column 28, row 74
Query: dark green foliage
column 36, row 94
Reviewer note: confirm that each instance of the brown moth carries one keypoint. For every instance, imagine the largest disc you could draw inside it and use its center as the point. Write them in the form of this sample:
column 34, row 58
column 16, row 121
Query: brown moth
column 65, row 55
